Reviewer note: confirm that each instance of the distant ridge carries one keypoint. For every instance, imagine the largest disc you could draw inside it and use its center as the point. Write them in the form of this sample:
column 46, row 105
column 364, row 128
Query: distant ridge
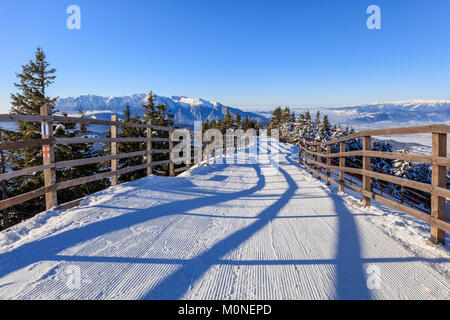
column 185, row 110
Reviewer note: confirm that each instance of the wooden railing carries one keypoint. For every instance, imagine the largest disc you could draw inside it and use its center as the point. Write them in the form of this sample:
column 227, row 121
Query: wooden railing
column 318, row 158
column 49, row 166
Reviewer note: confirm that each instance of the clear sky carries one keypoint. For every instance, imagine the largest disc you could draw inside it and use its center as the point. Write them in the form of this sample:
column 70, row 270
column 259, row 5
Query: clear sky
column 243, row 53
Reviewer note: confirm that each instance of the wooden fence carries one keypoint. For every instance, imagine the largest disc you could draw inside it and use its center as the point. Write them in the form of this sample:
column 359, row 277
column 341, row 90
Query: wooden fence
column 318, row 158
column 49, row 166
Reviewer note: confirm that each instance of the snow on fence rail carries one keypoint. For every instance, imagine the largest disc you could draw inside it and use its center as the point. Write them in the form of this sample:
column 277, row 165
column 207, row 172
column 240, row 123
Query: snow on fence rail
column 49, row 166
column 312, row 155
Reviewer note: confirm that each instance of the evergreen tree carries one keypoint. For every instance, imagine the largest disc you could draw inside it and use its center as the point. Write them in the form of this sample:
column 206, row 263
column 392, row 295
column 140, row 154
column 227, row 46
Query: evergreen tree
column 33, row 82
column 159, row 116
column 316, row 124
column 238, row 121
column 309, row 128
column 157, row 113
column 227, row 122
column 324, row 131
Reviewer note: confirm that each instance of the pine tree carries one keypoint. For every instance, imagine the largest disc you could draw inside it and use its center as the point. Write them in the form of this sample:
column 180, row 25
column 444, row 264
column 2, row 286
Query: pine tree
column 159, row 116
column 157, row 113
column 227, row 122
column 238, row 121
column 309, row 127
column 206, row 125
column 316, row 124
column 35, row 78
column 324, row 131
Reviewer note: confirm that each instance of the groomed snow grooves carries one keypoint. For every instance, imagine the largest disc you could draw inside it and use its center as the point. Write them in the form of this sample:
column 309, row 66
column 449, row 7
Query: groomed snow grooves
column 223, row 231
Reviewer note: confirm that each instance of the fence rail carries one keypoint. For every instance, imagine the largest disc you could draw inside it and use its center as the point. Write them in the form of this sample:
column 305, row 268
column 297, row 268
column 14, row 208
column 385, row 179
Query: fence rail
column 319, row 159
column 48, row 142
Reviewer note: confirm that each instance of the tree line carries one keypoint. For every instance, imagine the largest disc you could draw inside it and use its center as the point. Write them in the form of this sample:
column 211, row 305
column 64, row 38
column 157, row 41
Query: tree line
column 232, row 122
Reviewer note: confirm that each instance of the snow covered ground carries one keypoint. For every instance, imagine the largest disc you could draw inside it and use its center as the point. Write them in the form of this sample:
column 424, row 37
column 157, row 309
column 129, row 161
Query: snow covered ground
column 224, row 231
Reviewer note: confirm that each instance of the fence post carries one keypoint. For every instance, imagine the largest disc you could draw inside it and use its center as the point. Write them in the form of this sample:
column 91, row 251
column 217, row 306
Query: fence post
column 299, row 151
column 328, row 164
column 48, row 157
column 188, row 148
column 114, row 152
column 149, row 156
column 310, row 149
column 317, row 160
column 367, row 181
column 439, row 176
column 342, row 165
column 171, row 165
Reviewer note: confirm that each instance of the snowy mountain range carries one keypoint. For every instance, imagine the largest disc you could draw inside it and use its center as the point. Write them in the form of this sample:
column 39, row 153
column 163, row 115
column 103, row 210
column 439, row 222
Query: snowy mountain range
column 185, row 110
column 433, row 111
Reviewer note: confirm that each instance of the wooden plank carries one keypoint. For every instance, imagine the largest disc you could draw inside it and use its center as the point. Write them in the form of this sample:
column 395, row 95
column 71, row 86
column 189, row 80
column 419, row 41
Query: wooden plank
column 24, row 172
column 439, row 176
column 398, row 156
column 48, row 158
column 97, row 121
column 132, row 169
column 440, row 128
column 160, row 128
column 383, row 155
column 403, row 208
column 82, row 140
column 97, row 140
column 338, row 155
column 84, row 180
column 160, row 163
column 158, row 151
column 7, row 203
column 160, row 140
column 367, row 181
column 24, row 118
column 441, row 161
column 16, row 145
column 63, row 119
column 114, row 151
column 82, row 162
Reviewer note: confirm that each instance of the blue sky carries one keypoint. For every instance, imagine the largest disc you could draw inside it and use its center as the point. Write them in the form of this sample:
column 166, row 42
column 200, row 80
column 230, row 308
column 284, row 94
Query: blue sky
column 246, row 53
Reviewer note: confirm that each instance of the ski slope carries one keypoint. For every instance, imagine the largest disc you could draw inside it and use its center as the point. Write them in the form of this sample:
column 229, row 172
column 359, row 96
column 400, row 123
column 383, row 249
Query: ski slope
column 224, row 231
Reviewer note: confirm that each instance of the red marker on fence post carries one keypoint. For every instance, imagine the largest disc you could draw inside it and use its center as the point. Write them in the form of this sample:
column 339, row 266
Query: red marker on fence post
column 48, row 157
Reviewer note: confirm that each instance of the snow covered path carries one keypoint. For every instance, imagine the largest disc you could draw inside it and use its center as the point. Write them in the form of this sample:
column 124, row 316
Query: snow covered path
column 226, row 231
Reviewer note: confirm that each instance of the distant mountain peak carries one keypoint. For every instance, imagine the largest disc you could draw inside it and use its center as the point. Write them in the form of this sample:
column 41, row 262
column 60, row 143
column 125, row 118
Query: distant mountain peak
column 185, row 110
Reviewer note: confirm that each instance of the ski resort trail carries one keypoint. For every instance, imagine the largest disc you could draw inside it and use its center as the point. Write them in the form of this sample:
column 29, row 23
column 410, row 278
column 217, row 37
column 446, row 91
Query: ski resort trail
column 259, row 230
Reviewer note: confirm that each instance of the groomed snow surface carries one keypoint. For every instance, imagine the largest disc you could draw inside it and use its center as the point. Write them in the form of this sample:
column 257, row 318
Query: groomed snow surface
column 224, row 231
